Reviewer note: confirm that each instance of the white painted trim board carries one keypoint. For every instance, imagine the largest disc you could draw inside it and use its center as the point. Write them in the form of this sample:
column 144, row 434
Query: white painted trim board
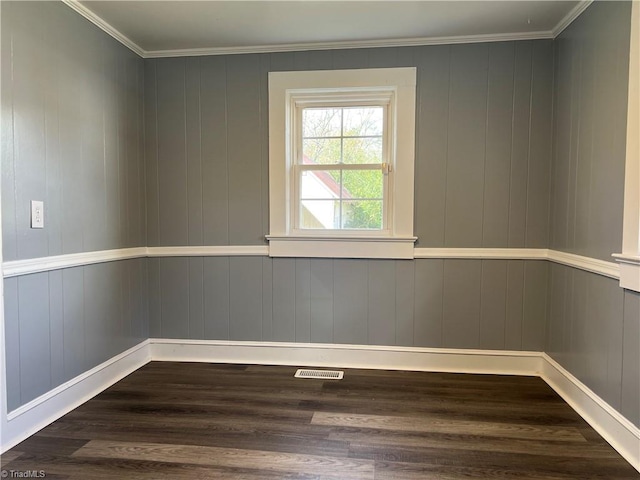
column 629, row 271
column 588, row 264
column 3, row 363
column 570, row 17
column 55, row 262
column 43, row 264
column 629, row 259
column 483, row 253
column 621, row 434
column 347, row 356
column 209, row 251
column 40, row 412
column 348, row 45
column 16, row 268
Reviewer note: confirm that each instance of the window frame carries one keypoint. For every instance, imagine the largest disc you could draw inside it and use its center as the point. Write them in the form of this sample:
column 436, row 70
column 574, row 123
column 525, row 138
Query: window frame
column 629, row 258
column 289, row 89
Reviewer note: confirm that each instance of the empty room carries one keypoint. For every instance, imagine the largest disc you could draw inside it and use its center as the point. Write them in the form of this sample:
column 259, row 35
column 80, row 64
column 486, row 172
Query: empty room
column 320, row 239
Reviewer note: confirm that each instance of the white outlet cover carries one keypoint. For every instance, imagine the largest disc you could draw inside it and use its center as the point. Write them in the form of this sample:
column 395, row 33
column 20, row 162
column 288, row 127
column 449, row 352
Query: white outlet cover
column 37, row 214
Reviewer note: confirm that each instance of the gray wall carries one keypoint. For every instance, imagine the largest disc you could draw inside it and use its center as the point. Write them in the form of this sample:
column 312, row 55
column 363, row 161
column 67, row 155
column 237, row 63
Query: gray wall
column 492, row 304
column 483, row 142
column 590, row 118
column 72, row 135
column 482, row 180
column 594, row 332
column 72, row 124
column 593, row 325
column 62, row 323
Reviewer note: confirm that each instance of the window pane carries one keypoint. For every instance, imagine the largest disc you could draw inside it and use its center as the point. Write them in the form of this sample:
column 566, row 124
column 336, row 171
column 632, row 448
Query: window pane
column 362, row 121
column 362, row 150
column 321, row 150
column 362, row 184
column 321, row 122
column 323, row 184
column 320, row 214
column 341, row 199
column 359, row 214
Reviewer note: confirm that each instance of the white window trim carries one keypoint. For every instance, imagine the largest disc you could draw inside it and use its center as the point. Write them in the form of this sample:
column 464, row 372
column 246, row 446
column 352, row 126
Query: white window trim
column 397, row 241
column 629, row 259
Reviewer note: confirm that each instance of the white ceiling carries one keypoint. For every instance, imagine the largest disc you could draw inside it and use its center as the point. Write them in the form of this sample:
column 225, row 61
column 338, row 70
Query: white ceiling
column 160, row 28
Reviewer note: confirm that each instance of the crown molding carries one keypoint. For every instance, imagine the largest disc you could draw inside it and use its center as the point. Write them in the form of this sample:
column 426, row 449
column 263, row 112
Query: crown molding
column 570, row 17
column 105, row 27
column 400, row 42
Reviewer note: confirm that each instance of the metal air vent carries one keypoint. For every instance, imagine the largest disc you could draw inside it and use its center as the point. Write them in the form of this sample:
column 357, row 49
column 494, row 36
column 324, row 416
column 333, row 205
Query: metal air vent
column 321, row 374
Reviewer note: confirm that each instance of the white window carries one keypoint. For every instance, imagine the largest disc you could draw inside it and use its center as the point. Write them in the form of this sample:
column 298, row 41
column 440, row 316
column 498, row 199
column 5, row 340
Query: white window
column 340, row 164
column 629, row 259
column 341, row 156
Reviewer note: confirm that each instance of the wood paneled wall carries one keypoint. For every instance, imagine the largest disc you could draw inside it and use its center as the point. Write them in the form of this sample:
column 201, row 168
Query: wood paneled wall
column 62, row 323
column 594, row 332
column 593, row 325
column 490, row 304
column 72, row 127
column 483, row 142
column 72, row 136
column 590, row 118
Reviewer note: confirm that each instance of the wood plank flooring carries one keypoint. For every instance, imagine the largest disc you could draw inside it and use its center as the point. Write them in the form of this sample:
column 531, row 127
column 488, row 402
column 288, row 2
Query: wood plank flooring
column 201, row 421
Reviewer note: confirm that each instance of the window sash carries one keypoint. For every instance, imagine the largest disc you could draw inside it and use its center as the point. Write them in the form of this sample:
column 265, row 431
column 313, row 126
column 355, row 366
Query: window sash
column 298, row 167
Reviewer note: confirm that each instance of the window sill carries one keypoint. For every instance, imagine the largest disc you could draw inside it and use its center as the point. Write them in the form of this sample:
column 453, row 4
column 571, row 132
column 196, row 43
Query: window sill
column 629, row 271
column 341, row 247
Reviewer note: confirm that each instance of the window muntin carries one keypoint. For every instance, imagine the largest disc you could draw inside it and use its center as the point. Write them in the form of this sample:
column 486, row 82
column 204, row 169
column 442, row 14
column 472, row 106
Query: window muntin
column 341, row 162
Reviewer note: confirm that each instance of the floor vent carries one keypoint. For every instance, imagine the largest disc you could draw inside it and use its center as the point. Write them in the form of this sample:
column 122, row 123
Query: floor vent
column 321, row 374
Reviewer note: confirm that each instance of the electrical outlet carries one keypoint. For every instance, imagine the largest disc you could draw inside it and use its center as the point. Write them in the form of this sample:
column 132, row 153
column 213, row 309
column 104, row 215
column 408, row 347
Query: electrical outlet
column 37, row 214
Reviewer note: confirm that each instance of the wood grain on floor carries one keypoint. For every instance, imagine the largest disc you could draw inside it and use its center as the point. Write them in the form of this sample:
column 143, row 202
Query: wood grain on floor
column 209, row 421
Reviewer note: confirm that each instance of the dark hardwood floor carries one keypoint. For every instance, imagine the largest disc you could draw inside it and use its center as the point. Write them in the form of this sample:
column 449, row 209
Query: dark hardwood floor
column 200, row 421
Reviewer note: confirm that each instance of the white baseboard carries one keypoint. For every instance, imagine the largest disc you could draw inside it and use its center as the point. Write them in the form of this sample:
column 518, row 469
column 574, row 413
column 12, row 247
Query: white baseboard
column 606, row 420
column 348, row 356
column 614, row 428
column 40, row 412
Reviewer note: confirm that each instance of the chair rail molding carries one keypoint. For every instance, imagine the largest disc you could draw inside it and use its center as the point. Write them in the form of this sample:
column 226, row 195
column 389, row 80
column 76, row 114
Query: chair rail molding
column 16, row 268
